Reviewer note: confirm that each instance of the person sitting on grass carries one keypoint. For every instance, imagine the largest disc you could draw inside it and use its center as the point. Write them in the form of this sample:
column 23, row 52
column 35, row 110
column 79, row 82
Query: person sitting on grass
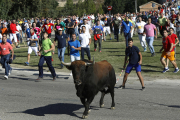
column 168, row 52
column 135, row 60
column 33, row 45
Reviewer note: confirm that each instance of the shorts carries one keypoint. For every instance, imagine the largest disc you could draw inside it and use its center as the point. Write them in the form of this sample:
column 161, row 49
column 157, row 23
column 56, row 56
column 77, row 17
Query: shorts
column 171, row 57
column 13, row 36
column 30, row 49
column 130, row 67
column 107, row 28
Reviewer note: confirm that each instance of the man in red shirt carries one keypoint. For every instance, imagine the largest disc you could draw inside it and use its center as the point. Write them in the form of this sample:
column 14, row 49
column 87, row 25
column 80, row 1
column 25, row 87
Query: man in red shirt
column 5, row 49
column 47, row 27
column 173, row 16
column 175, row 41
column 12, row 32
column 168, row 52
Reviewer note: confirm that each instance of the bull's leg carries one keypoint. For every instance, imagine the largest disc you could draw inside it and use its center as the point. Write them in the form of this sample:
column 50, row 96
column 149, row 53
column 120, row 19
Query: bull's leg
column 101, row 102
column 83, row 101
column 112, row 95
column 87, row 104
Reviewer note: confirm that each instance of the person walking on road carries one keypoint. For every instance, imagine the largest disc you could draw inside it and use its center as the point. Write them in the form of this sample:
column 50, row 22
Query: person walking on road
column 149, row 31
column 168, row 52
column 135, row 61
column 5, row 49
column 46, row 47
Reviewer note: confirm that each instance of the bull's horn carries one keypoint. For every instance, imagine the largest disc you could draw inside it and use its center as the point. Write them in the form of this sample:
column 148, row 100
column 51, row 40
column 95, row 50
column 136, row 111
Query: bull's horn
column 93, row 61
column 87, row 64
column 66, row 64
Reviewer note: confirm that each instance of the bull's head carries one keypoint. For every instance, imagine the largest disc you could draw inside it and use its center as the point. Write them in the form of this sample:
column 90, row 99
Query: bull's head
column 79, row 69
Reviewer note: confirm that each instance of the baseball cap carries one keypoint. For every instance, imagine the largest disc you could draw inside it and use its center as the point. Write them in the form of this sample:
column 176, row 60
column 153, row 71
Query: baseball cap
column 60, row 29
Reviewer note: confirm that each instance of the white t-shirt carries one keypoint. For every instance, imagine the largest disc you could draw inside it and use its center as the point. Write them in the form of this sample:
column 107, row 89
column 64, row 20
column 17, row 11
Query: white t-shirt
column 18, row 28
column 140, row 26
column 26, row 25
column 119, row 18
column 0, row 36
column 84, row 37
column 87, row 27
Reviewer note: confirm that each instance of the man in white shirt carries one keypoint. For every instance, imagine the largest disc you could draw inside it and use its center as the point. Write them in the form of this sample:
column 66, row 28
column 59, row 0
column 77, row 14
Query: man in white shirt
column 88, row 27
column 18, row 27
column 85, row 39
column 140, row 30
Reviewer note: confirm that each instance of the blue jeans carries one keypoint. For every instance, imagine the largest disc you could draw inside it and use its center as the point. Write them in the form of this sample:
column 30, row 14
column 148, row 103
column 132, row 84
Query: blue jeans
column 5, row 63
column 61, row 52
column 127, row 36
column 87, row 50
column 49, row 64
column 150, row 41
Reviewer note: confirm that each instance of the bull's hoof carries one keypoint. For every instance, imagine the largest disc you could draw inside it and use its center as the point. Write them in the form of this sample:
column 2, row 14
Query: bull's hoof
column 84, row 116
column 102, row 105
column 89, row 111
column 112, row 108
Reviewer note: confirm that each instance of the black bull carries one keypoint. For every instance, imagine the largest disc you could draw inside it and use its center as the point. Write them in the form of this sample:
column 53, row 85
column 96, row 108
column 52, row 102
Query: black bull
column 90, row 78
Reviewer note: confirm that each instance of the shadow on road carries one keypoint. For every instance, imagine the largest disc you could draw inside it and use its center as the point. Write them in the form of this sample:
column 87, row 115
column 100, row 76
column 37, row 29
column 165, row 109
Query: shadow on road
column 60, row 108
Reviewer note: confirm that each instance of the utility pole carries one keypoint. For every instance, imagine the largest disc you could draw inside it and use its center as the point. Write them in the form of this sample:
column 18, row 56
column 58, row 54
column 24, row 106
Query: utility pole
column 136, row 6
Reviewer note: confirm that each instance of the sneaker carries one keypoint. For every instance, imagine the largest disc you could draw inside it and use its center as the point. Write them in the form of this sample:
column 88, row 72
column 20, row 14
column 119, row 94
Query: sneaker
column 10, row 71
column 110, row 38
column 143, row 89
column 100, row 51
column 145, row 49
column 121, row 87
column 6, row 77
column 54, row 79
column 18, row 46
column 104, row 39
column 94, row 49
column 153, row 54
column 70, row 74
column 176, row 70
column 165, row 70
column 27, row 63
column 38, row 79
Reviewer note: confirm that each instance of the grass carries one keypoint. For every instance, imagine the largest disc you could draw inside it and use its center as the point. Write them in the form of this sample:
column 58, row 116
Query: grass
column 114, row 53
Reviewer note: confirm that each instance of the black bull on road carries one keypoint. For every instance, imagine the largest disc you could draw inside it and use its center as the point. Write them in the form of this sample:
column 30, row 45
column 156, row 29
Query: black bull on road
column 90, row 78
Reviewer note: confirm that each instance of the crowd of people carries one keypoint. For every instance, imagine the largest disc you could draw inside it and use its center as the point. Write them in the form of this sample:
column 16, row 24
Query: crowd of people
column 36, row 33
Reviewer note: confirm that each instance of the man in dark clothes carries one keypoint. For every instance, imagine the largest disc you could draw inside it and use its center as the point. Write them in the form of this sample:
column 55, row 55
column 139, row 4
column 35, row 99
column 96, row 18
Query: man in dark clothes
column 135, row 61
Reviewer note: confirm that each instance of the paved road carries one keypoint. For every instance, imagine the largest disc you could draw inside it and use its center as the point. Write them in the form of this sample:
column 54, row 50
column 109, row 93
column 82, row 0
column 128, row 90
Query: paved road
column 23, row 99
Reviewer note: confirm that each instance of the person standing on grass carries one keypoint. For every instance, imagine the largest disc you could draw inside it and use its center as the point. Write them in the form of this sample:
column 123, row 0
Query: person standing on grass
column 127, row 29
column 162, row 22
column 85, row 39
column 61, row 38
column 47, row 27
column 175, row 41
column 149, row 31
column 13, row 33
column 116, row 23
column 98, row 31
column 142, row 37
column 177, row 25
column 33, row 45
column 46, row 48
column 168, row 52
column 135, row 61
column 74, row 46
column 5, row 49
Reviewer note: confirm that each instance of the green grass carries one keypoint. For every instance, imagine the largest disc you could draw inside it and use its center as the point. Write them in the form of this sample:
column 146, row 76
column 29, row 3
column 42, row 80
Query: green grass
column 114, row 53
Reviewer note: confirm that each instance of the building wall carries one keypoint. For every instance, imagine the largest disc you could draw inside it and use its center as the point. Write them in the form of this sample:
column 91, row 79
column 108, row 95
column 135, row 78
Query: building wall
column 63, row 2
column 148, row 7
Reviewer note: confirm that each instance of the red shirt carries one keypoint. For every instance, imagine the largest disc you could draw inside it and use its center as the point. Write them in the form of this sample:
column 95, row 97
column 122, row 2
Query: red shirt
column 167, row 44
column 173, row 38
column 13, row 28
column 5, row 48
column 173, row 16
column 48, row 27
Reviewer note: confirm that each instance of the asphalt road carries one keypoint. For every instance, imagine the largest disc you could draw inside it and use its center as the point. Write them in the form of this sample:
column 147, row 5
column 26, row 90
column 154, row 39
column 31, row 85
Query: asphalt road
column 23, row 99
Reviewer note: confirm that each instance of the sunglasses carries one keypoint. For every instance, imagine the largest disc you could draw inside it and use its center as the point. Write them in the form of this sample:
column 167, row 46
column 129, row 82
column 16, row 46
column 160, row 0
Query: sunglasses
column 4, row 36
